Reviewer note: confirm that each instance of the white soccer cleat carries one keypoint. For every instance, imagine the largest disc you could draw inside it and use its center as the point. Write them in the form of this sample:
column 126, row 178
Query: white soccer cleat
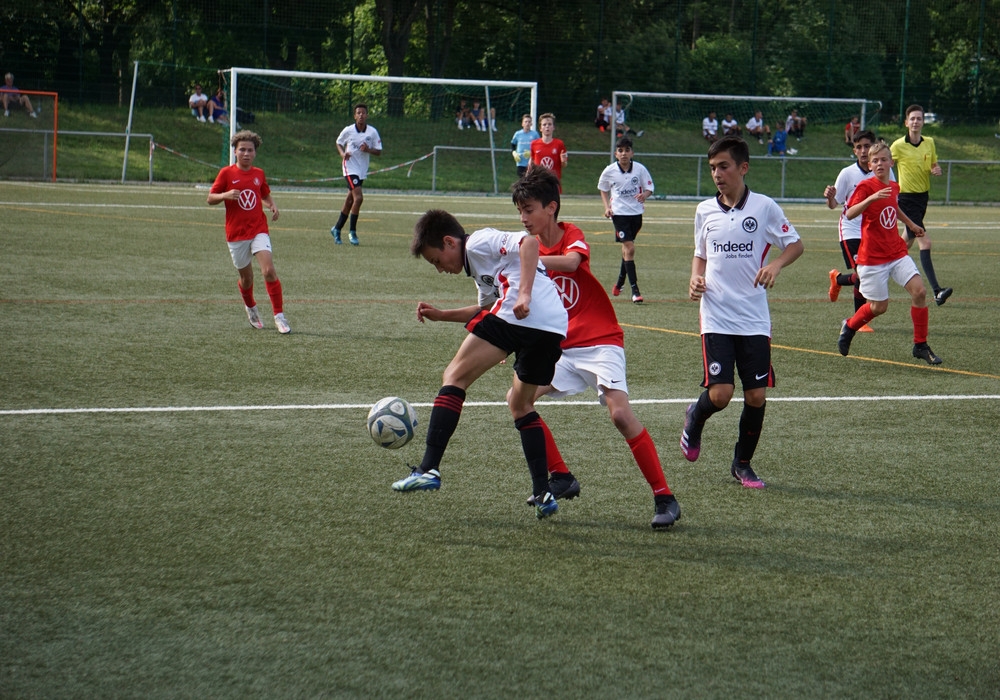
column 282, row 324
column 254, row 317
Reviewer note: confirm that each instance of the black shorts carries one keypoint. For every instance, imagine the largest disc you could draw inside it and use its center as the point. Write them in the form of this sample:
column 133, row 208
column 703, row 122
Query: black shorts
column 914, row 205
column 626, row 226
column 849, row 247
column 535, row 352
column 749, row 354
column 353, row 181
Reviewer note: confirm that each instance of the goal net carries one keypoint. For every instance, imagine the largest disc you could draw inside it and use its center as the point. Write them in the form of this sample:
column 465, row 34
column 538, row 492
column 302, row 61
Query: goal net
column 424, row 147
column 29, row 144
column 647, row 108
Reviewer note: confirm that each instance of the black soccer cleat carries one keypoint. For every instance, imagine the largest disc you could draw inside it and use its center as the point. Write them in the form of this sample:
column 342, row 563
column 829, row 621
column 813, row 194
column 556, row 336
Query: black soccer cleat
column 846, row 336
column 563, row 487
column 941, row 295
column 922, row 351
column 667, row 511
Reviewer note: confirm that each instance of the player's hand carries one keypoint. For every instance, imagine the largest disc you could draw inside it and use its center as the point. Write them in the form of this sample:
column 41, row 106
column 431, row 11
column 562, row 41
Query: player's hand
column 517, row 156
column 521, row 308
column 696, row 288
column 830, row 192
column 936, row 169
column 232, row 194
column 274, row 213
column 427, row 312
column 883, row 193
column 363, row 147
column 919, row 232
column 641, row 197
column 766, row 276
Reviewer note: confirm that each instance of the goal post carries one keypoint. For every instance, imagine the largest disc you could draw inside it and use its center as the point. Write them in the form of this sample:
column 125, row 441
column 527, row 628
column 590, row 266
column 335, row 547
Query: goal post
column 305, row 111
column 29, row 138
column 644, row 108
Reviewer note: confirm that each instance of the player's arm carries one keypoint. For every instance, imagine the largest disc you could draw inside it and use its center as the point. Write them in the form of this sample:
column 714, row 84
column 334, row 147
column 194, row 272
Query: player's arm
column 918, row 231
column 220, row 197
column 830, row 192
column 528, row 253
column 562, row 263
column 606, row 199
column 696, row 287
column 268, row 203
column 341, row 150
column 371, row 151
column 768, row 275
column 564, row 157
column 428, row 312
column 854, row 211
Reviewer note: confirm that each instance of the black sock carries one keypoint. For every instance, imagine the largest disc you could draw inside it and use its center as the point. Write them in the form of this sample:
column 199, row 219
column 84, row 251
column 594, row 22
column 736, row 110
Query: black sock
column 844, row 279
column 441, row 426
column 751, row 422
column 533, row 444
column 340, row 221
column 630, row 270
column 703, row 410
column 354, row 222
column 859, row 300
column 621, row 275
column 925, row 261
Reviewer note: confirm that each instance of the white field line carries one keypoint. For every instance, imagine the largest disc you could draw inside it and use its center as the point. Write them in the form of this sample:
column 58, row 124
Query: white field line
column 548, row 403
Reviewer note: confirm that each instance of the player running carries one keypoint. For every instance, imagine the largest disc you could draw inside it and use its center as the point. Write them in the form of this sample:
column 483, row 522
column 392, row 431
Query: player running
column 356, row 144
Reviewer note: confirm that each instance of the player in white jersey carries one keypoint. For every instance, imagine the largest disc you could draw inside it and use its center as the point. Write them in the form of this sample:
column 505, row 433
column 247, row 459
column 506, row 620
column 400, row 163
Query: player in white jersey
column 625, row 185
column 730, row 275
column 838, row 194
column 519, row 311
column 356, row 144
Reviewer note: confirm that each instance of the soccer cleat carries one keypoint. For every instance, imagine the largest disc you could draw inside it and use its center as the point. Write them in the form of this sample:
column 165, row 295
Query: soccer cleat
column 941, row 295
column 744, row 474
column 922, row 351
column 834, row 292
column 547, row 507
column 866, row 329
column 563, row 487
column 637, row 298
column 616, row 290
column 254, row 317
column 419, row 481
column 846, row 336
column 690, row 445
column 666, row 511
column 353, row 238
column 281, row 323
column 335, row 232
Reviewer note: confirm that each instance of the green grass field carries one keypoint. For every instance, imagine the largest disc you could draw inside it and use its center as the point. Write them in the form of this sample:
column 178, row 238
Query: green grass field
column 189, row 507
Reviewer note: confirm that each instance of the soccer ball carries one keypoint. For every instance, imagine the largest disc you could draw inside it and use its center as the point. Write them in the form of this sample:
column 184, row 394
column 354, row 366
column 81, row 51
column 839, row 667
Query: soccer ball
column 391, row 422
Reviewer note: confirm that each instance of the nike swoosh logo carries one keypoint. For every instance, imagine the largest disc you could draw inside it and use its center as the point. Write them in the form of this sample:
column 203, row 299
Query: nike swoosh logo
column 761, row 376
column 616, row 381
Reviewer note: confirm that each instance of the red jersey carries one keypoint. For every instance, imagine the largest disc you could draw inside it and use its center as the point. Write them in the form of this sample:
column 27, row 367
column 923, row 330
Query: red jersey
column 548, row 154
column 592, row 319
column 245, row 217
column 880, row 239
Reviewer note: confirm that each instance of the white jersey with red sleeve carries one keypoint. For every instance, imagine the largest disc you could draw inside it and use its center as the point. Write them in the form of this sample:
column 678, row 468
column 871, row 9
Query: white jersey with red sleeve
column 735, row 243
column 493, row 260
column 350, row 139
column 592, row 319
column 245, row 217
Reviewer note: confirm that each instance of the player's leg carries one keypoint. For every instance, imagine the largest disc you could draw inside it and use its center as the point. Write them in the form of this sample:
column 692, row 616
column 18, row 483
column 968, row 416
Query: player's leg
column 918, row 309
column 753, row 362
column 874, row 287
column 359, row 197
column 271, row 282
column 239, row 251
column 718, row 358
column 915, row 207
column 345, row 210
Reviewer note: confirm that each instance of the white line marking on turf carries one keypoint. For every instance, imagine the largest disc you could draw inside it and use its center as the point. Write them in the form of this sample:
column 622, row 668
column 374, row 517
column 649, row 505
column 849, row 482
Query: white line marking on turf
column 547, row 403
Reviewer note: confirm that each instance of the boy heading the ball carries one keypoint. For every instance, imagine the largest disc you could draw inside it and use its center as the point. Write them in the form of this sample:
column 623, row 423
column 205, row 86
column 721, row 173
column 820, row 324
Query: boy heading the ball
column 518, row 311
column 245, row 191
column 594, row 348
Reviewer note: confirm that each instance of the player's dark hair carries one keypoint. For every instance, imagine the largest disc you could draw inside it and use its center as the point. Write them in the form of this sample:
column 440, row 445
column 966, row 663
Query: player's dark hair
column 734, row 145
column 431, row 228
column 360, row 105
column 624, row 142
column 913, row 108
column 539, row 184
column 245, row 135
column 866, row 134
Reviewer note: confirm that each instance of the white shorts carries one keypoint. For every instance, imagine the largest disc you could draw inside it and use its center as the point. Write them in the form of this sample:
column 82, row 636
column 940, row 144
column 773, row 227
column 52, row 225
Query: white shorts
column 875, row 278
column 599, row 367
column 243, row 251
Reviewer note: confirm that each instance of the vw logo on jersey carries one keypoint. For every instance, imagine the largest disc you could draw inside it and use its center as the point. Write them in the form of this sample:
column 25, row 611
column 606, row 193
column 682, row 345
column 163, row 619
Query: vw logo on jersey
column 888, row 218
column 247, row 200
column 749, row 224
column 549, row 162
column 569, row 290
column 714, row 368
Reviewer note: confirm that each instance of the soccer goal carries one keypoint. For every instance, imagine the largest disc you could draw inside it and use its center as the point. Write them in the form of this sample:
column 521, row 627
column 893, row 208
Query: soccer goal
column 646, row 108
column 29, row 136
column 428, row 141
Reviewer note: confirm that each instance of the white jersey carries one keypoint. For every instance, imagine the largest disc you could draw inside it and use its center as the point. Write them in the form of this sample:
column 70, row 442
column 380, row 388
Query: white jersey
column 735, row 243
column 847, row 180
column 493, row 260
column 356, row 160
column 755, row 123
column 709, row 126
column 624, row 185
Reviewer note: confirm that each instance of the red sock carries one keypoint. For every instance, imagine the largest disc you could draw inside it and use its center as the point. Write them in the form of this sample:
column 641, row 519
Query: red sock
column 274, row 292
column 247, row 295
column 861, row 317
column 645, row 455
column 556, row 465
column 919, row 316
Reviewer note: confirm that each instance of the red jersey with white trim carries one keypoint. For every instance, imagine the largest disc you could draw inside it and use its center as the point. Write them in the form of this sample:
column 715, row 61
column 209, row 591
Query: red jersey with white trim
column 735, row 243
column 548, row 154
column 847, row 181
column 245, row 217
column 493, row 260
column 592, row 319
column 880, row 239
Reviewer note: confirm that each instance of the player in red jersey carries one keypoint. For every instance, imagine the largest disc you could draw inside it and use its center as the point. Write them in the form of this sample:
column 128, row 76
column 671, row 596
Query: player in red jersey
column 593, row 351
column 883, row 255
column 245, row 191
column 549, row 151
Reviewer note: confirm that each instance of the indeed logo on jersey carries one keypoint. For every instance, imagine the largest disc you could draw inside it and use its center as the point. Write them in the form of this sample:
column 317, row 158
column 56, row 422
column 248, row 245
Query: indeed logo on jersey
column 733, row 250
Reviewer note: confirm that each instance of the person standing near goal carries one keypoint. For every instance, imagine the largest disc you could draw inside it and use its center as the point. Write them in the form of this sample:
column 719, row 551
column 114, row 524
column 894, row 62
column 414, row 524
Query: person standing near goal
column 916, row 158
column 245, row 192
column 356, row 144
column 625, row 185
column 520, row 144
column 730, row 276
column 548, row 151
